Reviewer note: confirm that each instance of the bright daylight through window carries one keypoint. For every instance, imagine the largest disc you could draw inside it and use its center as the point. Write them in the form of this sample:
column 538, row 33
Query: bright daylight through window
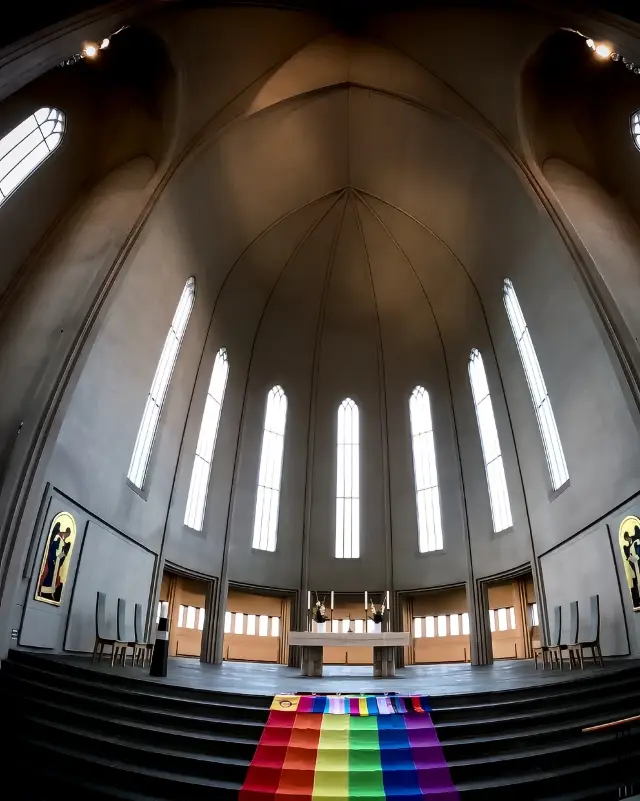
column 496, row 479
column 197, row 499
column 265, row 526
column 425, row 472
column 635, row 128
column 348, row 482
column 155, row 400
column 539, row 395
column 24, row 148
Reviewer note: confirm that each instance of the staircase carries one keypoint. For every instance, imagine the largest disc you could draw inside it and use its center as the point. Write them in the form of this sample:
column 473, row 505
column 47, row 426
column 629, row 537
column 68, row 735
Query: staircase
column 103, row 735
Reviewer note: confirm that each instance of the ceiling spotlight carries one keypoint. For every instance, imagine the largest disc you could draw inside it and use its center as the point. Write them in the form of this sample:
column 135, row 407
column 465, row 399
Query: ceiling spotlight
column 637, row 70
column 591, row 44
column 104, row 44
column 90, row 50
column 631, row 65
column 603, row 51
column 615, row 57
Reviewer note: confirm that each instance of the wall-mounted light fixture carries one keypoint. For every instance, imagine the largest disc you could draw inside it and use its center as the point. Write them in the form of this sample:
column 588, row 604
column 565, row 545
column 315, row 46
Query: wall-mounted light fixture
column 90, row 50
column 604, row 51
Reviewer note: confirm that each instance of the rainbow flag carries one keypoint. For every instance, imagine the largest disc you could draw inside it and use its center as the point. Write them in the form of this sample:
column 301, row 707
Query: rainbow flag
column 333, row 748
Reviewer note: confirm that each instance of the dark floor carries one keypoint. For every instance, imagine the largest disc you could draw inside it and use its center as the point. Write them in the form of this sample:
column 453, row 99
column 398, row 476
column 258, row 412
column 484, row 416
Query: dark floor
column 266, row 679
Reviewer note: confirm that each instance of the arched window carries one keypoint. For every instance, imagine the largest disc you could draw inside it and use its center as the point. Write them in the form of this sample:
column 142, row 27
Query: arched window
column 425, row 472
column 496, row 480
column 197, row 498
column 539, row 395
column 635, row 128
column 155, row 400
column 348, row 483
column 24, row 148
column 265, row 528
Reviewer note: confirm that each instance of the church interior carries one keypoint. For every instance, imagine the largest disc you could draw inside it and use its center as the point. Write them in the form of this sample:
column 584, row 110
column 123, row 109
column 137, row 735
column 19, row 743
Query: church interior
column 320, row 430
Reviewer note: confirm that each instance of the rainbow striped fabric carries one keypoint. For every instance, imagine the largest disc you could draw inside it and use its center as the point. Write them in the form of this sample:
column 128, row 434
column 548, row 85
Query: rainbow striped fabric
column 334, row 748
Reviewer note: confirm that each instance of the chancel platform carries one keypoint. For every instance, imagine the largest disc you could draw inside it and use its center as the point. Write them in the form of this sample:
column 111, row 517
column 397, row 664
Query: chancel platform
column 256, row 678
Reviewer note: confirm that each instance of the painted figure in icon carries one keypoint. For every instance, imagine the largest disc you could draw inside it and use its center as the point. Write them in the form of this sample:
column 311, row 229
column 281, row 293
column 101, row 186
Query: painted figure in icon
column 56, row 559
column 629, row 538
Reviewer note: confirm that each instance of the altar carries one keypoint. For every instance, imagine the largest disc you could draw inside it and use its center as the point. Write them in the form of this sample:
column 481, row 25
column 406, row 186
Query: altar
column 383, row 643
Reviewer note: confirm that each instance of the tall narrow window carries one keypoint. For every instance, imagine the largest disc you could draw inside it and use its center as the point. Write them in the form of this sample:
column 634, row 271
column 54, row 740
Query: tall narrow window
column 425, row 472
column 348, row 482
column 197, row 498
column 155, row 400
column 24, row 148
column 635, row 128
column 496, row 479
column 539, row 395
column 265, row 526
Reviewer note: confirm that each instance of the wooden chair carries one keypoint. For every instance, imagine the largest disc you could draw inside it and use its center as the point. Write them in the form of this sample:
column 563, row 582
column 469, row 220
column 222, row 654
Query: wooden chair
column 118, row 648
column 142, row 649
column 556, row 651
column 544, row 651
column 124, row 632
column 589, row 635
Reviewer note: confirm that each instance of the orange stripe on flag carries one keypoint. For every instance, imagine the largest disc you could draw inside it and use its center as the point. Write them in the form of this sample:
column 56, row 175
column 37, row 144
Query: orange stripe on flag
column 298, row 770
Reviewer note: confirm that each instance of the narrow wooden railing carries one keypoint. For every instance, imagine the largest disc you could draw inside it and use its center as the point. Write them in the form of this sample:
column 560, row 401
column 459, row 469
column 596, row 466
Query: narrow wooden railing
column 612, row 724
column 617, row 727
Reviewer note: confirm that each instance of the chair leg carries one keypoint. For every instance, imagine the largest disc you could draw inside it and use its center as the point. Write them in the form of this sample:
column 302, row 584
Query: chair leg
column 600, row 660
column 95, row 650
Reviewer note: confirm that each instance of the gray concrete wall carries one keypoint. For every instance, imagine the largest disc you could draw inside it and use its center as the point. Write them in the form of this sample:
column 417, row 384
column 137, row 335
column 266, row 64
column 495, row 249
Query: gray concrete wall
column 345, row 241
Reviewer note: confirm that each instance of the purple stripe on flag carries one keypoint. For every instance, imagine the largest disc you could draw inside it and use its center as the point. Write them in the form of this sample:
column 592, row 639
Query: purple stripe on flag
column 426, row 751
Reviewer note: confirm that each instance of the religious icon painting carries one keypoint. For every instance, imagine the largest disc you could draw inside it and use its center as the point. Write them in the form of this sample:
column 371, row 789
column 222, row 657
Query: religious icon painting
column 629, row 538
column 56, row 559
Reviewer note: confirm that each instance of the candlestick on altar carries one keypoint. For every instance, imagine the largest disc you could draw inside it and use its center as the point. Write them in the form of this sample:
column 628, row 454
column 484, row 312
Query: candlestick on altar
column 309, row 600
column 387, row 604
column 331, row 599
column 366, row 605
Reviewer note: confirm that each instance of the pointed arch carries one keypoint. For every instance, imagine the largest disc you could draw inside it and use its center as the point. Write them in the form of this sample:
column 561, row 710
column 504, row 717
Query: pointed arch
column 199, row 484
column 159, row 386
column 494, row 467
column 348, row 481
column 554, row 453
column 265, row 528
column 425, row 472
column 27, row 145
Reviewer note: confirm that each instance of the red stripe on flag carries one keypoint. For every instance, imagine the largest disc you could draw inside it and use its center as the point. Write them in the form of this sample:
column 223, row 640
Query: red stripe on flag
column 415, row 700
column 263, row 776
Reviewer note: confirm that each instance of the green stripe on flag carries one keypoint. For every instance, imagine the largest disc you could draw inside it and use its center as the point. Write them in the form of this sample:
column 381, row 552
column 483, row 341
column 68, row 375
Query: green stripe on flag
column 365, row 767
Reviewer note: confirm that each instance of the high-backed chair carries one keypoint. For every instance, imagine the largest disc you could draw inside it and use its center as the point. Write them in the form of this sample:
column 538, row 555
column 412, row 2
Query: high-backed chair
column 142, row 649
column 566, row 643
column 554, row 640
column 103, row 638
column 589, row 635
column 125, row 635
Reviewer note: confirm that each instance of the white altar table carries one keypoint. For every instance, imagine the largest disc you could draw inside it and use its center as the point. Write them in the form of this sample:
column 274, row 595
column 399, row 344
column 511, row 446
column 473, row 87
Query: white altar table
column 384, row 643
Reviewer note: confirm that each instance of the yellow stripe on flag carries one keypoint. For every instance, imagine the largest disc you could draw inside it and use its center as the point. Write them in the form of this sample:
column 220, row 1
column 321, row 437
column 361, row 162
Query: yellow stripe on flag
column 286, row 703
column 362, row 704
column 332, row 765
